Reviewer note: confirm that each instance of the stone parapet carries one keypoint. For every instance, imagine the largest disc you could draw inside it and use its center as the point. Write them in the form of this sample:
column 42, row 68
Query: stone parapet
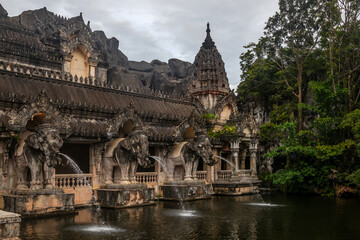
column 9, row 225
column 125, row 195
column 185, row 190
column 39, row 202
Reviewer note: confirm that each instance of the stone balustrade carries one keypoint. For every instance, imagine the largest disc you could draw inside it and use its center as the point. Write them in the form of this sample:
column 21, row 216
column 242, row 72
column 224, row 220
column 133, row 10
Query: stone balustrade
column 201, row 175
column 224, row 174
column 147, row 177
column 73, row 180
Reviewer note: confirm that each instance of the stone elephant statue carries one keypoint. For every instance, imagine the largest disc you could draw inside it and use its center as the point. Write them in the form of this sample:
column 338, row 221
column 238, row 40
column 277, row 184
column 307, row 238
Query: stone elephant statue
column 188, row 155
column 125, row 153
column 39, row 152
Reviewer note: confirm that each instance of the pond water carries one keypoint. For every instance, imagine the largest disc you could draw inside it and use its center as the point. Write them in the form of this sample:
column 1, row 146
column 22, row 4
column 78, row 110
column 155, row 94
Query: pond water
column 279, row 216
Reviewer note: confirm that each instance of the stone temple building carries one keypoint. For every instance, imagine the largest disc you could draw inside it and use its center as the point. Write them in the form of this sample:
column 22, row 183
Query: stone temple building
column 68, row 89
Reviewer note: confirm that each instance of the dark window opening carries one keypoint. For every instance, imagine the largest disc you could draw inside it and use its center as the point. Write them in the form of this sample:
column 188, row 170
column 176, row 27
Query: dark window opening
column 79, row 153
column 247, row 162
column 152, row 167
column 223, row 163
column 200, row 166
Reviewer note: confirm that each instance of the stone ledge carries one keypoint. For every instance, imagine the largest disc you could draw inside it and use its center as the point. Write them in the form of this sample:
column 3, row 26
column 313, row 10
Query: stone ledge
column 51, row 191
column 184, row 183
column 9, row 217
column 119, row 186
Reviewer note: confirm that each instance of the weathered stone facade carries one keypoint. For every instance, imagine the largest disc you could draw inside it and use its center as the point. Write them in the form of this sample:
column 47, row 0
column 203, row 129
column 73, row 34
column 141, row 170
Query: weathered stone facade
column 57, row 74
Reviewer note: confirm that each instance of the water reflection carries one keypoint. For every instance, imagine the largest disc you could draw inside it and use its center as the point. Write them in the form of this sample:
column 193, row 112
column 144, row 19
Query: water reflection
column 94, row 229
column 280, row 217
column 181, row 213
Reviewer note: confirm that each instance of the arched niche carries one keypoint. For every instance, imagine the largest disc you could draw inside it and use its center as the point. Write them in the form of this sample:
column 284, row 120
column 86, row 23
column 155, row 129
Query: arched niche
column 79, row 62
column 36, row 119
column 189, row 133
column 126, row 128
column 226, row 112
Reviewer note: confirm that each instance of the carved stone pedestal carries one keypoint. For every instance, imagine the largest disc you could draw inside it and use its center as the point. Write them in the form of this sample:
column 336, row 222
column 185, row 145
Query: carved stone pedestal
column 9, row 225
column 39, row 202
column 186, row 190
column 125, row 195
column 240, row 183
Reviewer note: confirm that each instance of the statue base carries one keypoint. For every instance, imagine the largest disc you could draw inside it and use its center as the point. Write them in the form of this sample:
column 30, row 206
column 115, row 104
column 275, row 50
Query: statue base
column 9, row 225
column 185, row 190
column 240, row 183
column 125, row 195
column 28, row 202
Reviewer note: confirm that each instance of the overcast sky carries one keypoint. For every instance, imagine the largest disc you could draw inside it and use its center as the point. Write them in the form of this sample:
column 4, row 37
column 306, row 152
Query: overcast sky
column 164, row 29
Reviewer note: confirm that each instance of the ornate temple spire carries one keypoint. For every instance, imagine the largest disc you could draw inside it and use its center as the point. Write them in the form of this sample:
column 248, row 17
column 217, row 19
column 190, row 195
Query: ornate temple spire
column 208, row 43
column 209, row 82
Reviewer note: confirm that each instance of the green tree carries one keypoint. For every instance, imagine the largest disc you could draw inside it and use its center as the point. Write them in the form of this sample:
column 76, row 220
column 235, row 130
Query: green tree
column 291, row 36
column 306, row 67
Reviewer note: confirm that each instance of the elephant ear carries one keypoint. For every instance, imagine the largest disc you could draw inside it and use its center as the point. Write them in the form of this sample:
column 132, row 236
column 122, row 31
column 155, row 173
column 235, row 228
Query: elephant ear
column 33, row 141
column 125, row 144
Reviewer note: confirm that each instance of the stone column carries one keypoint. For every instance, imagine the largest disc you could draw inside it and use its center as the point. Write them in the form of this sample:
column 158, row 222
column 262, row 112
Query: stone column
column 253, row 155
column 253, row 149
column 162, row 171
column 234, row 146
column 96, row 153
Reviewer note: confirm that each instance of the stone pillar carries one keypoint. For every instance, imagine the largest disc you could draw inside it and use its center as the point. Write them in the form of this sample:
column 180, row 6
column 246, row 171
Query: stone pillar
column 96, row 154
column 253, row 157
column 234, row 146
column 4, row 162
column 253, row 149
column 235, row 158
column 162, row 173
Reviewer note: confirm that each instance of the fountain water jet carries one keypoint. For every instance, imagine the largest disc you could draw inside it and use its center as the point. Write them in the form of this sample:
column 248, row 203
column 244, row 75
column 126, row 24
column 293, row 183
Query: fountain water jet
column 224, row 159
column 78, row 170
column 163, row 165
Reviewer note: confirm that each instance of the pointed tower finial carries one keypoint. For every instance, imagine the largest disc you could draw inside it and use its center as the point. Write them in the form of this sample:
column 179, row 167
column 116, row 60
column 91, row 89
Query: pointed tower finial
column 208, row 43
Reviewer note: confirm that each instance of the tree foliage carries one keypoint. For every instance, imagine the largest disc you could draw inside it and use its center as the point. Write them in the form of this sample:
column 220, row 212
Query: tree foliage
column 306, row 68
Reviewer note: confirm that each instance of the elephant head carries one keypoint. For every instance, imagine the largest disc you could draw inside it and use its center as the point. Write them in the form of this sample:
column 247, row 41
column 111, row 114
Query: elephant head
column 47, row 140
column 201, row 146
column 138, row 145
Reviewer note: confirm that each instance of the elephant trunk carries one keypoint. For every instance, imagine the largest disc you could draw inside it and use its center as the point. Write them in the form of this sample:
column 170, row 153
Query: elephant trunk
column 144, row 161
column 211, row 161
